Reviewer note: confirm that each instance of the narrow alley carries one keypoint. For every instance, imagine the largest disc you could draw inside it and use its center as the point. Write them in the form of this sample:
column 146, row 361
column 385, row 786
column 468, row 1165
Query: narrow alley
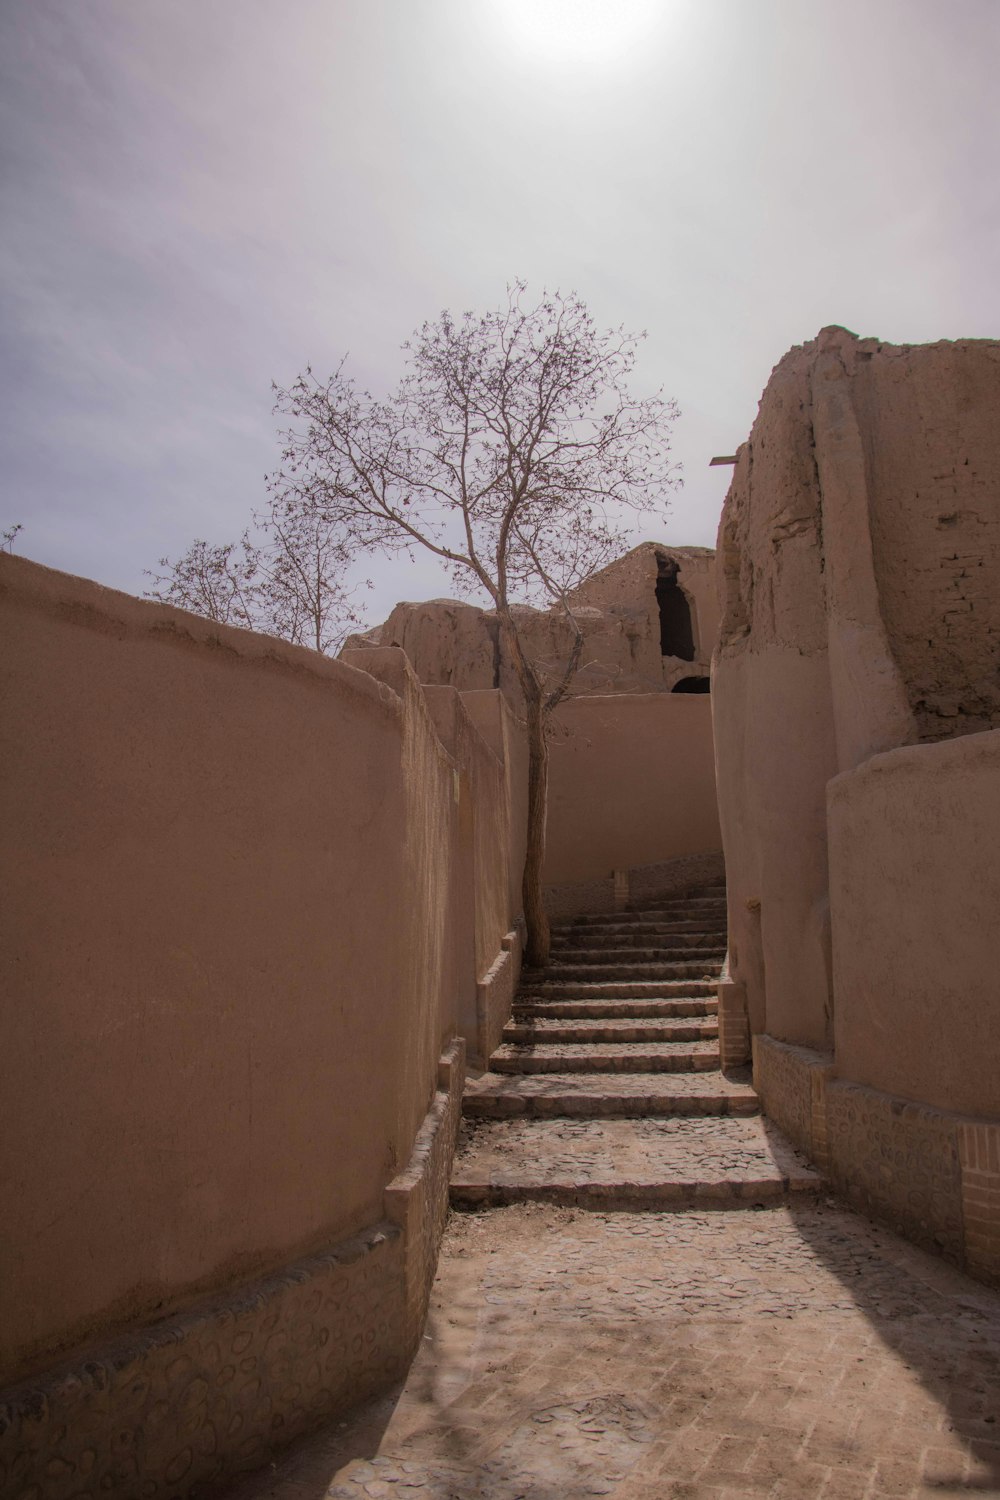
column 649, row 1296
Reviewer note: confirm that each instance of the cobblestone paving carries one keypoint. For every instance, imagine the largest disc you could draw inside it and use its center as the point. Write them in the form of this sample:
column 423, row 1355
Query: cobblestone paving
column 798, row 1353
column 607, row 1057
column 498, row 1094
column 696, row 1155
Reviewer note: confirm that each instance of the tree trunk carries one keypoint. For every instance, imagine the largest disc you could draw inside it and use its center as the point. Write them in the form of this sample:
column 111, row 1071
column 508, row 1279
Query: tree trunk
column 535, row 916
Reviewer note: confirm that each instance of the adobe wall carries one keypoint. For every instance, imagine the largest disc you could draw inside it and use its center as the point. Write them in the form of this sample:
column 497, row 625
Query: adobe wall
column 914, row 893
column 631, row 783
column 240, row 937
column 859, row 554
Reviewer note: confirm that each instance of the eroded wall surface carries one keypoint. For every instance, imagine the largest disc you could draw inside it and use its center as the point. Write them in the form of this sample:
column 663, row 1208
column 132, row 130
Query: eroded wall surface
column 860, row 577
column 855, row 694
column 249, row 898
column 459, row 645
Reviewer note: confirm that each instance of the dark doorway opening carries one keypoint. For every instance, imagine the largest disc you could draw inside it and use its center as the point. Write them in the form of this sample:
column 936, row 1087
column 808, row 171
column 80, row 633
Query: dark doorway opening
column 692, row 685
column 676, row 635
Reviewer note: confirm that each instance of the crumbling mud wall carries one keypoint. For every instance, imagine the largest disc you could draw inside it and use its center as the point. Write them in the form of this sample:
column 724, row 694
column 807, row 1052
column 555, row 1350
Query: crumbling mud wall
column 251, row 898
column 620, row 611
column 932, row 455
column 855, row 695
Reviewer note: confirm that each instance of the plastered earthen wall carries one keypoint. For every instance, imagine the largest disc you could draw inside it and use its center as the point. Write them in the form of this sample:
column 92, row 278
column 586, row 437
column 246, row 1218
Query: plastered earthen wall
column 631, row 782
column 236, row 935
column 854, row 697
column 631, row 779
column 914, row 893
column 855, row 620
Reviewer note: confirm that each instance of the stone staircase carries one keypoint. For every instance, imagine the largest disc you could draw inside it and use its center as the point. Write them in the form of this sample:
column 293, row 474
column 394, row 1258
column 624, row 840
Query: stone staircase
column 607, row 1089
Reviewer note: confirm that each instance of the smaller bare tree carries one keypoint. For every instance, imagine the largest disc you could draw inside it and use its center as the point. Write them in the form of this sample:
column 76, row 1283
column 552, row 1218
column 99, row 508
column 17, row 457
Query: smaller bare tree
column 8, row 535
column 286, row 577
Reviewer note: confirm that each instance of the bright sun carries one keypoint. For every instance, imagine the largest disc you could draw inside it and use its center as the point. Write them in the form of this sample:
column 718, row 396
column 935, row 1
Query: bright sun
column 579, row 31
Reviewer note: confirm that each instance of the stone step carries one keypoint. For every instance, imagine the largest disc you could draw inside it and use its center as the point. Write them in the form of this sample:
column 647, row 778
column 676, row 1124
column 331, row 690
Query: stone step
column 623, row 1164
column 636, row 955
column 607, row 1057
column 585, row 1030
column 665, row 989
column 527, row 1010
column 637, row 937
column 599, row 1095
column 560, row 973
column 663, row 912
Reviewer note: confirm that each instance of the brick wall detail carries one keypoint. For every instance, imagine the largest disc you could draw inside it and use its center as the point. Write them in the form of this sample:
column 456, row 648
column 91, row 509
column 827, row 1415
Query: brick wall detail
column 192, row 1401
column 979, row 1156
column 791, row 1082
column 735, row 1050
column 932, row 1175
column 898, row 1161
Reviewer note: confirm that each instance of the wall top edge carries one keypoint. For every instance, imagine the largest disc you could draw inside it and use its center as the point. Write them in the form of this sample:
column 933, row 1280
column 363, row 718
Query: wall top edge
column 91, row 605
column 966, row 752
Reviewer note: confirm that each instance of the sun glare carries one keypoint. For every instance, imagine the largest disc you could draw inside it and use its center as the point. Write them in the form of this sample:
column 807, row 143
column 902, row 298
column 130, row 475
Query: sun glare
column 592, row 32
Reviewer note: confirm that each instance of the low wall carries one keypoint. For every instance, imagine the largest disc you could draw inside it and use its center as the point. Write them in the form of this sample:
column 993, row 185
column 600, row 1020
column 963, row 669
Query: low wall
column 631, row 783
column 914, row 896
column 195, row 1400
column 933, row 1174
column 250, row 896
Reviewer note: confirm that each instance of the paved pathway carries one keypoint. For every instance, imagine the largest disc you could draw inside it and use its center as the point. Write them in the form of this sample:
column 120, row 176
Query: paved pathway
column 794, row 1351
column 754, row 1339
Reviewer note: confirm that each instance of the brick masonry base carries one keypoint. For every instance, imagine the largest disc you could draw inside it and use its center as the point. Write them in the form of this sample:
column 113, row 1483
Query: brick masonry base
column 179, row 1407
column 932, row 1175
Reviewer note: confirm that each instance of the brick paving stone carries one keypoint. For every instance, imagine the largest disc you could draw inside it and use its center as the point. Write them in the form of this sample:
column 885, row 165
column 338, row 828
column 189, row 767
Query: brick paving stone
column 572, row 1353
column 713, row 1352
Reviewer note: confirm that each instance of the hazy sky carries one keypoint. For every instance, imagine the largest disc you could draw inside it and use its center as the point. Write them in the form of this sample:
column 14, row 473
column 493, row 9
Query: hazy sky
column 200, row 196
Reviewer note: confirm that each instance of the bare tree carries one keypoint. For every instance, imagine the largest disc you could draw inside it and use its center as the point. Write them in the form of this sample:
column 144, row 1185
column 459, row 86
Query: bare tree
column 285, row 578
column 8, row 536
column 510, row 449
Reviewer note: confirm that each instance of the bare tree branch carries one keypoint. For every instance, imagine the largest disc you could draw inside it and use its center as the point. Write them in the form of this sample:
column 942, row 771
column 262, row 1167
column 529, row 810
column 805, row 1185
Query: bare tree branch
column 514, row 450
